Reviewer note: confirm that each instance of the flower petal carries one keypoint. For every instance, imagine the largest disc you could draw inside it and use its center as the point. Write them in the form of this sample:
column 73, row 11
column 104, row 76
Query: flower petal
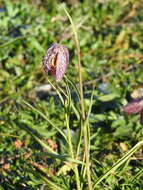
column 134, row 107
column 50, row 54
column 56, row 61
column 62, row 63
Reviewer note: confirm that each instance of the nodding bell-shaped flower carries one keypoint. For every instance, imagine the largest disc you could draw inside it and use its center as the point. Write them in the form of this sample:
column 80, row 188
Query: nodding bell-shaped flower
column 56, row 61
column 136, row 105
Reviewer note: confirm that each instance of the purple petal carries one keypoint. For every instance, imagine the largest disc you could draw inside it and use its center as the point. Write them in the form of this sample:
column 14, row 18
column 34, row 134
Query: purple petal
column 56, row 61
column 62, row 63
column 134, row 107
column 50, row 54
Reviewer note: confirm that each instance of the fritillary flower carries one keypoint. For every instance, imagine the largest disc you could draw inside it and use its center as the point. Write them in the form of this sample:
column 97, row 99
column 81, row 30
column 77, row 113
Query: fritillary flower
column 136, row 106
column 56, row 61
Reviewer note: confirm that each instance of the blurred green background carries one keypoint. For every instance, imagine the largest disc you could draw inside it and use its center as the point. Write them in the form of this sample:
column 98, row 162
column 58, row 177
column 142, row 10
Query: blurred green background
column 111, row 41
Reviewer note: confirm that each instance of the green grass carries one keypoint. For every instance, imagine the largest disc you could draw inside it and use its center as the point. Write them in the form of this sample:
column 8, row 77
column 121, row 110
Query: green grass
column 41, row 132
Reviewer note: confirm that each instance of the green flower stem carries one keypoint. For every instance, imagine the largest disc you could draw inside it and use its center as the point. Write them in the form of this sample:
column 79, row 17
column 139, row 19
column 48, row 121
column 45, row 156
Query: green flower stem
column 79, row 64
column 72, row 153
column 84, row 127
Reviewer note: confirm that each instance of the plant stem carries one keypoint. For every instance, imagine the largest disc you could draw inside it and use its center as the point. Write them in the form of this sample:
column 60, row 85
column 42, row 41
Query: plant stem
column 79, row 65
column 71, row 152
column 84, row 126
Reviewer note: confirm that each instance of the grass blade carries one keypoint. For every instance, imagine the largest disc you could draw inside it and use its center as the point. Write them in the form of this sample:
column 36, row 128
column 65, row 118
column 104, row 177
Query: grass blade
column 119, row 163
column 44, row 116
column 15, row 40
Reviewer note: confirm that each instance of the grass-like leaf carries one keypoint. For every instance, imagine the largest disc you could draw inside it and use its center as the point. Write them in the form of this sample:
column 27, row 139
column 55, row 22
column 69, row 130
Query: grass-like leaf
column 119, row 163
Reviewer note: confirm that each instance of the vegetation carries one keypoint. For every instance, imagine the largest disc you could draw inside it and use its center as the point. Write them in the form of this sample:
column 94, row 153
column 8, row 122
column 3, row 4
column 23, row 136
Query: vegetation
column 48, row 129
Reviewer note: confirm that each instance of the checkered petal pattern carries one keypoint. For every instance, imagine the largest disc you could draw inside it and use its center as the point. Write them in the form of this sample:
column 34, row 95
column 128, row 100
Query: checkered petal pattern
column 56, row 61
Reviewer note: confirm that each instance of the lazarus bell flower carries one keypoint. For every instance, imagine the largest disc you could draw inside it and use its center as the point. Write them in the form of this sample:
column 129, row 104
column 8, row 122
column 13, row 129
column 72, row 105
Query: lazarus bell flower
column 56, row 61
column 136, row 106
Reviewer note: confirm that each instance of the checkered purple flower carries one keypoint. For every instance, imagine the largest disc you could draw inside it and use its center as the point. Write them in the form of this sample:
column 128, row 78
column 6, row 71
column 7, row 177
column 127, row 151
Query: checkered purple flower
column 56, row 61
column 136, row 105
